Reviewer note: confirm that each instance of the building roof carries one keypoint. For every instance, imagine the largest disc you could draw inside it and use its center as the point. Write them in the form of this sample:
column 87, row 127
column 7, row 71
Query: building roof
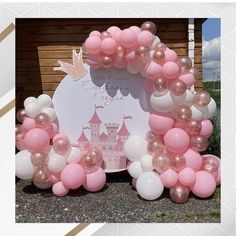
column 95, row 119
column 103, row 137
column 82, row 138
column 123, row 130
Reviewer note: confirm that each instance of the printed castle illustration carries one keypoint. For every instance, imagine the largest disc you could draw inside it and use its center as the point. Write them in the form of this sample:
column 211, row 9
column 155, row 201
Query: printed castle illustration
column 111, row 142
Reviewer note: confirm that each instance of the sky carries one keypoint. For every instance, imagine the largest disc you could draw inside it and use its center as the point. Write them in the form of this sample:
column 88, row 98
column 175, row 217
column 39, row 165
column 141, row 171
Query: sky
column 211, row 49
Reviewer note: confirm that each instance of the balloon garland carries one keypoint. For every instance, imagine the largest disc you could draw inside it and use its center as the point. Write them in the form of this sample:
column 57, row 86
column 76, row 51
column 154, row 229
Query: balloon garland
column 169, row 154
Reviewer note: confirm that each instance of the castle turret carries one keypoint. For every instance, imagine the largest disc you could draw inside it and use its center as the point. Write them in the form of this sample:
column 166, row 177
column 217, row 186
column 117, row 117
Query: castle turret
column 83, row 142
column 95, row 123
column 112, row 132
column 123, row 133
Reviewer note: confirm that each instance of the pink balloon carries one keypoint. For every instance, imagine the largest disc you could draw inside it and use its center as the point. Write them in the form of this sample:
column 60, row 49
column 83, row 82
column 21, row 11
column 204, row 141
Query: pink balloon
column 216, row 160
column 59, row 189
column 205, row 184
column 160, row 124
column 136, row 29
column 54, row 178
column 193, row 159
column 73, row 176
column 50, row 130
column 95, row 181
column 29, row 123
column 130, row 57
column 95, row 33
column 152, row 70
column 145, row 38
column 187, row 176
column 170, row 55
column 179, row 124
column 93, row 45
column 176, row 140
column 36, row 140
column 116, row 35
column 148, row 83
column 218, row 178
column 20, row 145
column 170, row 70
column 113, row 29
column 119, row 64
column 134, row 181
column 188, row 79
column 207, row 128
column 169, row 178
column 128, row 38
column 108, row 46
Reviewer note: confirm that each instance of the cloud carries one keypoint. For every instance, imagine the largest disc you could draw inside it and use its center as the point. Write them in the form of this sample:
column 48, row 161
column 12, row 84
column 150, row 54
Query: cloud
column 211, row 59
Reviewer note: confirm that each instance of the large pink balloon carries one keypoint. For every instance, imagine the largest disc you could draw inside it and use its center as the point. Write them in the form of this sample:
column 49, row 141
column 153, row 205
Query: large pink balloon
column 176, row 140
column 36, row 140
column 169, row 178
column 93, row 45
column 95, row 181
column 145, row 38
column 108, row 46
column 188, row 79
column 152, row 70
column 128, row 38
column 170, row 70
column 170, row 55
column 59, row 189
column 207, row 128
column 187, row 176
column 28, row 123
column 160, row 124
column 193, row 159
column 205, row 184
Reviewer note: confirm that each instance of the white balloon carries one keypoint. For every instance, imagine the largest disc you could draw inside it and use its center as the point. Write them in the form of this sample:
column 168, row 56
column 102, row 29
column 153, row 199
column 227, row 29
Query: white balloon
column 162, row 103
column 74, row 155
column 155, row 42
column 135, row 169
column 50, row 112
column 29, row 100
column 196, row 113
column 149, row 185
column 146, row 162
column 188, row 97
column 45, row 100
column 42, row 186
column 23, row 166
column 209, row 110
column 179, row 100
column 135, row 147
column 32, row 109
column 134, row 68
column 56, row 163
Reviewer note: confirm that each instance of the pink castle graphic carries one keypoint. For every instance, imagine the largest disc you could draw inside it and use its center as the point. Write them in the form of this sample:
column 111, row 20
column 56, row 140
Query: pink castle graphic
column 110, row 142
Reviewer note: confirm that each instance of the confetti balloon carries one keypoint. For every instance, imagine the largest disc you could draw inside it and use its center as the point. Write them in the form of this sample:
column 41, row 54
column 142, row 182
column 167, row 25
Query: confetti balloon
column 193, row 127
column 149, row 26
column 179, row 193
column 41, row 175
column 161, row 163
column 199, row 143
column 210, row 164
column 42, row 120
column 160, row 85
column 38, row 159
column 201, row 98
column 177, row 163
column 160, row 46
column 177, row 88
column 61, row 145
column 155, row 147
column 142, row 52
column 151, row 136
column 182, row 113
column 185, row 63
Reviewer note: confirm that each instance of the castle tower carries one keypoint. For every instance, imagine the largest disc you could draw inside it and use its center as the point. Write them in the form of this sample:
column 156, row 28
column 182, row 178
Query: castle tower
column 124, row 133
column 83, row 142
column 112, row 132
column 95, row 123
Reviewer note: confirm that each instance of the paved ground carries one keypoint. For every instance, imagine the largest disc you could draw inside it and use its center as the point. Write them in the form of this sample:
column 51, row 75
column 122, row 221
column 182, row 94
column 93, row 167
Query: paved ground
column 117, row 202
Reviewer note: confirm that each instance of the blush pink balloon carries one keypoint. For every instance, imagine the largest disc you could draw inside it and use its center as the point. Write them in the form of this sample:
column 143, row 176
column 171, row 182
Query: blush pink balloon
column 136, row 29
column 36, row 140
column 187, row 176
column 128, row 38
column 20, row 145
column 145, row 38
column 130, row 57
column 160, row 124
column 218, row 178
column 116, row 36
column 108, row 46
column 188, row 79
column 176, row 140
column 93, row 45
column 54, row 178
column 207, row 128
column 73, row 176
column 179, row 124
column 169, row 178
column 59, row 189
column 170, row 55
column 193, row 159
column 170, row 70
column 29, row 123
column 113, row 29
column 148, row 83
column 51, row 129
column 205, row 184
column 152, row 70
column 95, row 33
column 95, row 181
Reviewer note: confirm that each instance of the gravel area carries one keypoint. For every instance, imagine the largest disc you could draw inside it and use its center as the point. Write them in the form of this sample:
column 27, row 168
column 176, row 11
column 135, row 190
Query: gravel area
column 118, row 202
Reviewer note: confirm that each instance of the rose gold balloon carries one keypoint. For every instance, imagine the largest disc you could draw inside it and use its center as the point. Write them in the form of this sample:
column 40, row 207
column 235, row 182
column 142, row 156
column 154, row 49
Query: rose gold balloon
column 210, row 164
column 199, row 143
column 201, row 98
column 105, row 34
column 194, row 71
column 179, row 193
column 160, row 84
column 21, row 115
column 158, row 55
column 160, row 46
column 149, row 26
column 185, row 63
column 161, row 162
column 106, row 62
column 193, row 127
column 177, row 163
column 119, row 54
column 177, row 87
column 61, row 145
column 41, row 175
column 142, row 52
column 19, row 133
column 182, row 113
column 151, row 136
column 38, row 159
column 42, row 120
column 155, row 147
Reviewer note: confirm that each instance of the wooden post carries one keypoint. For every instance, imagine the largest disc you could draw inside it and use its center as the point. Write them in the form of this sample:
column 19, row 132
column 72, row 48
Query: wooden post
column 191, row 42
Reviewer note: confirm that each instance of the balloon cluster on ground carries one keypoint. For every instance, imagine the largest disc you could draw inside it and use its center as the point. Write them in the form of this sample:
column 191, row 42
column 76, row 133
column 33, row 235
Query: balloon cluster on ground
column 47, row 157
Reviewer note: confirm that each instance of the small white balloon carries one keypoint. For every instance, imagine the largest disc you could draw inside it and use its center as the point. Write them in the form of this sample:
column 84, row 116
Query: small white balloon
column 74, row 155
column 149, row 185
column 45, row 100
column 162, row 103
column 56, row 163
column 196, row 113
column 29, row 100
column 209, row 110
column 50, row 112
column 188, row 97
column 134, row 68
column 135, row 169
column 24, row 169
column 179, row 100
column 42, row 185
column 32, row 109
column 155, row 42
column 135, row 147
column 146, row 162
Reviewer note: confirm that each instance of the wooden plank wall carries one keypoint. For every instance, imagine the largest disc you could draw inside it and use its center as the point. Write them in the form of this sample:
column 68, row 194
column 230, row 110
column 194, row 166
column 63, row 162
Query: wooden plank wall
column 41, row 42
